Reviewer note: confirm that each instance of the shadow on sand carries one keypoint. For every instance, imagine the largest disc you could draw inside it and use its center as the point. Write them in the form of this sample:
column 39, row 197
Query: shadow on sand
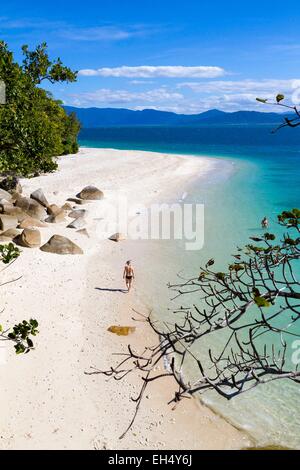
column 111, row 290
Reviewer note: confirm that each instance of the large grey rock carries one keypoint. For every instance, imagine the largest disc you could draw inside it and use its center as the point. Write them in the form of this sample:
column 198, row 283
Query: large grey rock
column 76, row 200
column 90, row 193
column 31, row 207
column 29, row 222
column 54, row 209
column 77, row 223
column 56, row 219
column 5, row 195
column 62, row 246
column 77, row 213
column 40, row 197
column 67, row 206
column 4, row 201
column 7, row 222
column 10, row 209
column 30, row 238
column 15, row 195
column 9, row 234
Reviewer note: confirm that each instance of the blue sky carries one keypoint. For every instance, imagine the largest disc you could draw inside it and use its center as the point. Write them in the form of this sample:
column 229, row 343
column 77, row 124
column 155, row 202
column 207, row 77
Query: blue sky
column 182, row 56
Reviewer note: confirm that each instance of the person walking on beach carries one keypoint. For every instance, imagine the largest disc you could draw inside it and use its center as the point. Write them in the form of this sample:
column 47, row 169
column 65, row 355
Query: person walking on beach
column 128, row 274
column 265, row 223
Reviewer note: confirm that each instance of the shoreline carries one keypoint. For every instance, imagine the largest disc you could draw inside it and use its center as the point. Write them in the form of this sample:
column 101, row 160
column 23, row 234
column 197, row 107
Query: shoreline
column 55, row 404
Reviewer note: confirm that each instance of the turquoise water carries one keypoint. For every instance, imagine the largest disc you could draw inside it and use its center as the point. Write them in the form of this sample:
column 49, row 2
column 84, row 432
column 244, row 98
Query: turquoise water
column 260, row 176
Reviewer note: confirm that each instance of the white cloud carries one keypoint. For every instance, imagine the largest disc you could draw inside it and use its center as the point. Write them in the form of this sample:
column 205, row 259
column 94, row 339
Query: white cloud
column 149, row 71
column 108, row 97
column 141, row 82
column 266, row 87
column 228, row 102
column 103, row 33
column 169, row 100
column 238, row 95
column 26, row 23
column 192, row 97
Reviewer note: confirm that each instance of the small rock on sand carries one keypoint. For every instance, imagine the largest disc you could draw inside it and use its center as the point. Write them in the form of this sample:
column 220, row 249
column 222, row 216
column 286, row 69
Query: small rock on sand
column 117, row 237
column 90, row 193
column 77, row 223
column 67, row 206
column 83, row 231
column 121, row 330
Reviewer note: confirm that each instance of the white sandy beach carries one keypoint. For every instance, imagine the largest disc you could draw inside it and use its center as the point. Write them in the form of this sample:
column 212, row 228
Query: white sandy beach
column 47, row 400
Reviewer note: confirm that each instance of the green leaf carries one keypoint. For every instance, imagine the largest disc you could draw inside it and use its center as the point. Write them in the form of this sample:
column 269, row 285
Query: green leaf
column 261, row 302
column 236, row 267
column 279, row 98
column 291, row 241
column 20, row 348
column 210, row 262
column 256, row 239
column 220, row 276
column 33, row 323
column 269, row 236
column 296, row 213
column 201, row 276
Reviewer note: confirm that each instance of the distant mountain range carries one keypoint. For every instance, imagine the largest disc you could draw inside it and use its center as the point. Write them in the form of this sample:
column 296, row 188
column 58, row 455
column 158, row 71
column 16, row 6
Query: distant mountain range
column 110, row 117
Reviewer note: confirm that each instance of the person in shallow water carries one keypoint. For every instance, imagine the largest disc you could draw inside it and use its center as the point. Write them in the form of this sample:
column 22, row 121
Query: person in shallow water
column 128, row 274
column 264, row 223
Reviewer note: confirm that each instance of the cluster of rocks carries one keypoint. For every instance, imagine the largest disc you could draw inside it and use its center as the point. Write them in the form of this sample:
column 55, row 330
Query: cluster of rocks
column 21, row 217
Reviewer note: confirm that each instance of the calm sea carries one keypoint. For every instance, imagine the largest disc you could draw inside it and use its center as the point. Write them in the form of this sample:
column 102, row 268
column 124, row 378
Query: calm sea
column 260, row 176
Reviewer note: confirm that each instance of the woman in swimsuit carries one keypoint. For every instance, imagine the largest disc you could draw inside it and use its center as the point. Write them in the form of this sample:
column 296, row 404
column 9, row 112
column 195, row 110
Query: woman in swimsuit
column 128, row 274
column 265, row 223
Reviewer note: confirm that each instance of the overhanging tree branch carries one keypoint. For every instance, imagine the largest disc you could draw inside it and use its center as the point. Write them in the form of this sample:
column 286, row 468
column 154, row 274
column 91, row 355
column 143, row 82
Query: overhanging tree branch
column 248, row 311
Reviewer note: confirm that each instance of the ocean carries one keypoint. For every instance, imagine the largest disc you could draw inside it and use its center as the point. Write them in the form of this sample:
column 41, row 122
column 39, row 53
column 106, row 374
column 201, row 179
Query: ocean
column 260, row 177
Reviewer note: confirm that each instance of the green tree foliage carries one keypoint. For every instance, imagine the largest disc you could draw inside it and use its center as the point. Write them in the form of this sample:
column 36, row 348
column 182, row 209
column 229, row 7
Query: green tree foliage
column 21, row 333
column 38, row 66
column 8, row 253
column 34, row 128
column 69, row 137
